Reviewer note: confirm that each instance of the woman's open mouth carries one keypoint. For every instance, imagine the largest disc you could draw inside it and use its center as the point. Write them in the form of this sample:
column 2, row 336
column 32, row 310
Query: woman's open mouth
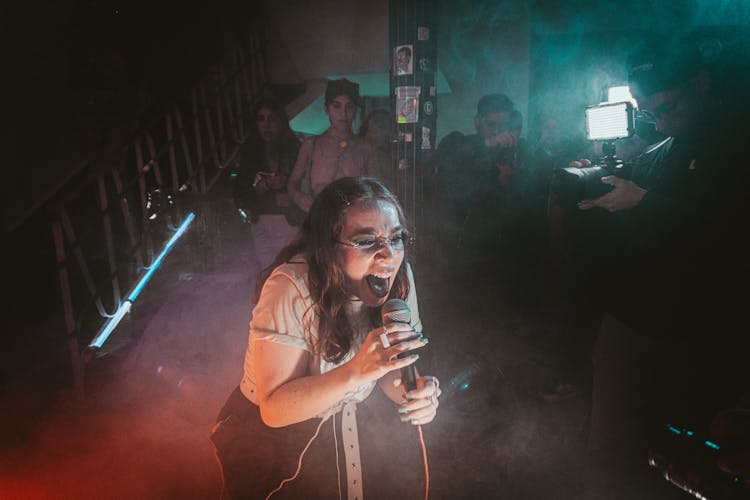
column 379, row 284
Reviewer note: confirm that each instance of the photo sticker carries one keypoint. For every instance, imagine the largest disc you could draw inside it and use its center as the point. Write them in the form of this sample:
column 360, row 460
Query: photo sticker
column 403, row 61
column 407, row 104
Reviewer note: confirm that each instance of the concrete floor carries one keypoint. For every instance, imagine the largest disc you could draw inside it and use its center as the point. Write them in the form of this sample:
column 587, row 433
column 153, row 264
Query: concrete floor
column 142, row 431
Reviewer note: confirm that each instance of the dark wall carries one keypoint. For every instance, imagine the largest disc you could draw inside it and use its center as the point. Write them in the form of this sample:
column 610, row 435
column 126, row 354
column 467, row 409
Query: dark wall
column 483, row 48
column 579, row 47
column 77, row 70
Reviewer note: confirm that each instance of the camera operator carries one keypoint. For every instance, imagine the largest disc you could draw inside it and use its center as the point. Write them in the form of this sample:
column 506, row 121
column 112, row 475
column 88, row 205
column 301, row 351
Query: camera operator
column 668, row 346
column 469, row 191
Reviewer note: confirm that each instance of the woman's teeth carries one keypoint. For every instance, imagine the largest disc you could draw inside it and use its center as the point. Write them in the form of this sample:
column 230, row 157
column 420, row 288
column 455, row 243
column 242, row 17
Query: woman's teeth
column 379, row 284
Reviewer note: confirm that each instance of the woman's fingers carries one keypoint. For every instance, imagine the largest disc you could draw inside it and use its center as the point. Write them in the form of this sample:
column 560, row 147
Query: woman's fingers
column 397, row 363
column 394, row 333
column 405, row 346
column 396, row 338
column 427, row 386
column 421, row 404
column 419, row 411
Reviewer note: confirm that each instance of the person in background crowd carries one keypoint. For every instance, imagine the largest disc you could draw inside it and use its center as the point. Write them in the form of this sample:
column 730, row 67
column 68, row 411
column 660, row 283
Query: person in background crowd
column 336, row 153
column 510, row 158
column 376, row 131
column 467, row 190
column 266, row 160
column 521, row 244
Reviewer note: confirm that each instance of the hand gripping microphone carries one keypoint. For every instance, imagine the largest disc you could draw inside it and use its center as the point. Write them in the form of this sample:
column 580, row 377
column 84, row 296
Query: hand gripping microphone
column 397, row 311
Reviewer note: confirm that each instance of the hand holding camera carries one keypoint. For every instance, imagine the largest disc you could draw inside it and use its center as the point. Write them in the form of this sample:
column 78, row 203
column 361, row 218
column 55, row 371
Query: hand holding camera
column 604, row 184
column 624, row 194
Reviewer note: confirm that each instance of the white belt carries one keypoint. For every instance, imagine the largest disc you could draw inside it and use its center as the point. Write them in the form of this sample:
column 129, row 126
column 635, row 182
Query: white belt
column 351, row 452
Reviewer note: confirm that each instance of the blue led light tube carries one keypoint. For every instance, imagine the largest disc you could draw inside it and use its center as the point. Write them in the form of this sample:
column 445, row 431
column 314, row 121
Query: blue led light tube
column 712, row 445
column 124, row 308
column 110, row 325
column 138, row 288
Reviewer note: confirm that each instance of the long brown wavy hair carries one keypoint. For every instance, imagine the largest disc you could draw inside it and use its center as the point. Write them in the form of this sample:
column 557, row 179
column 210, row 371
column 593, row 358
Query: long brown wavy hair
column 316, row 241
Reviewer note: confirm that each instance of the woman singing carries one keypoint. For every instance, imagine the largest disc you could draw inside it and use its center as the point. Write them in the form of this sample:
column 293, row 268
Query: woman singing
column 317, row 349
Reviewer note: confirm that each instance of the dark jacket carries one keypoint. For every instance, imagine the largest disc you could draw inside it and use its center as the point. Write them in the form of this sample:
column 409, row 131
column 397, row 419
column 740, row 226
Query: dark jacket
column 252, row 161
column 674, row 265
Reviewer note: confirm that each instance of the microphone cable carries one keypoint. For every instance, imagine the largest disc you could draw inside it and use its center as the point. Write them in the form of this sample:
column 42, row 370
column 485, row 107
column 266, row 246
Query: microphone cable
column 424, row 461
column 397, row 310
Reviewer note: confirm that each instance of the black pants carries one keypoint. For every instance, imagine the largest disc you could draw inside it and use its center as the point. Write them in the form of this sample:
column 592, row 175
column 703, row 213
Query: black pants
column 255, row 458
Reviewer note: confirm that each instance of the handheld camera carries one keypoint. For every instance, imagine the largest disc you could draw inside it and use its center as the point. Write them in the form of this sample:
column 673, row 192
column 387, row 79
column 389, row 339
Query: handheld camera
column 605, row 122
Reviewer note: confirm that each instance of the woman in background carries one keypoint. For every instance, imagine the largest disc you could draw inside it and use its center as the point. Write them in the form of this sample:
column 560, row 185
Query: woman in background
column 376, row 131
column 315, row 353
column 266, row 160
column 336, row 153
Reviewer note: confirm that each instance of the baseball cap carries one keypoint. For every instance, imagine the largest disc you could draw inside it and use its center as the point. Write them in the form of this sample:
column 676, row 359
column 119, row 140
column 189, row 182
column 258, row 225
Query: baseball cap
column 493, row 103
column 342, row 86
column 662, row 65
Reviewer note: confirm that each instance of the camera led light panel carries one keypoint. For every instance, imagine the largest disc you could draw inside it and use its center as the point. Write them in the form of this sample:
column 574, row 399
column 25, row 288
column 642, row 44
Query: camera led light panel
column 609, row 121
column 620, row 93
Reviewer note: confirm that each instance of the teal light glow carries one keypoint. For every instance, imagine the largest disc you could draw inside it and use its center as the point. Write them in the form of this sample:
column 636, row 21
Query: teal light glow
column 464, row 386
column 713, row 445
column 674, row 429
column 110, row 325
column 157, row 262
column 125, row 307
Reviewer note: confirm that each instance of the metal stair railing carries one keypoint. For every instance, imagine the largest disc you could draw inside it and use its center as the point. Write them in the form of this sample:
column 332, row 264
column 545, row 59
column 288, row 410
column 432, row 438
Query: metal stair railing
column 103, row 237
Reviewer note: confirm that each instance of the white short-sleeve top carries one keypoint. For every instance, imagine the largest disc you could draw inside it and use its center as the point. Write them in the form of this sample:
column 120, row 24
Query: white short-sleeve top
column 285, row 314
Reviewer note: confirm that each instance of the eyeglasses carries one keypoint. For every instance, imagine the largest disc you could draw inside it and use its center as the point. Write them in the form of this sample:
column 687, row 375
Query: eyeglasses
column 491, row 123
column 499, row 125
column 665, row 108
column 372, row 244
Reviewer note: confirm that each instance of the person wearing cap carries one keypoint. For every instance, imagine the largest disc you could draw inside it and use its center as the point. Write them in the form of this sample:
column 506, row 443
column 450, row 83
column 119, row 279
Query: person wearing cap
column 336, row 153
column 469, row 188
column 667, row 349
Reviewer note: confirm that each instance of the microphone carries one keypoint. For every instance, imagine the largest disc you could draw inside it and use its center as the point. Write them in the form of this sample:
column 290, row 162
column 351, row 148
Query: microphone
column 397, row 311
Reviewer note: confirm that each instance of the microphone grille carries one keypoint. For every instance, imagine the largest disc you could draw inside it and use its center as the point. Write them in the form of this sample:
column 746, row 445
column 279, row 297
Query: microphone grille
column 395, row 310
